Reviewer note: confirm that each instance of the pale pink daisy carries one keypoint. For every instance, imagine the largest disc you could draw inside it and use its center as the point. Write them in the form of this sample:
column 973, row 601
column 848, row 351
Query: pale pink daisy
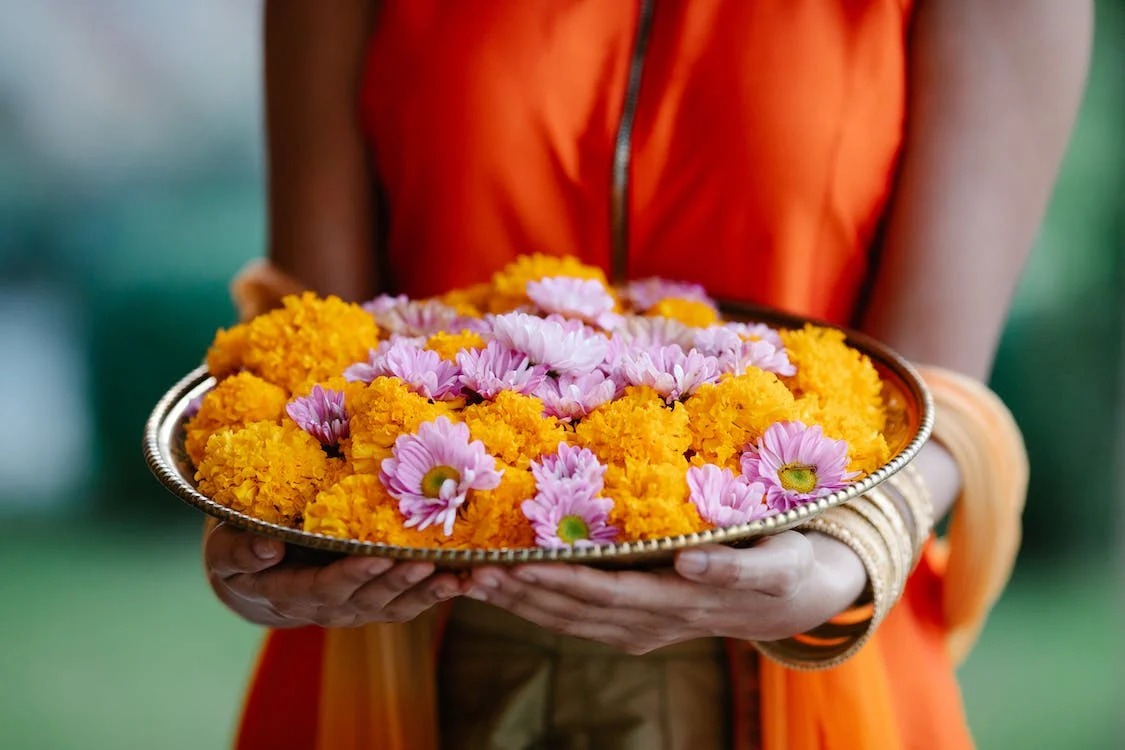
column 497, row 368
column 585, row 299
column 797, row 464
column 756, row 331
column 562, row 349
column 646, row 293
column 423, row 370
column 570, row 397
column 431, row 472
column 321, row 414
column 569, row 514
column 569, row 463
column 724, row 499
column 668, row 370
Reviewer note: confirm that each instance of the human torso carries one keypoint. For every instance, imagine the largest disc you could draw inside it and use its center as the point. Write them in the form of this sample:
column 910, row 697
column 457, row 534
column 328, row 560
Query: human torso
column 759, row 159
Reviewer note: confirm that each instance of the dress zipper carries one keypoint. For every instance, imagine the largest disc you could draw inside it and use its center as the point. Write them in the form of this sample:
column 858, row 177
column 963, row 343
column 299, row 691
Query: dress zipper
column 622, row 148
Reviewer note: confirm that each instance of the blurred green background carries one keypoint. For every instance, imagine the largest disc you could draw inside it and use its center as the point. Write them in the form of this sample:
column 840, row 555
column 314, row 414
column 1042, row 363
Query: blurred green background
column 130, row 192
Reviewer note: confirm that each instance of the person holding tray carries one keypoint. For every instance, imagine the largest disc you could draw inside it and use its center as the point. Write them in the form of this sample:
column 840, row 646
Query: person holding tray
column 877, row 163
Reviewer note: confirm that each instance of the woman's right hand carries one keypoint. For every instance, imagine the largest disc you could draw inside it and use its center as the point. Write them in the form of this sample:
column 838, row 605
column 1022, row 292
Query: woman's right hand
column 246, row 573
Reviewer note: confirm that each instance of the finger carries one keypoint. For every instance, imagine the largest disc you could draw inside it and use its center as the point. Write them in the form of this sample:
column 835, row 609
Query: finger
column 331, row 584
column 228, row 551
column 374, row 595
column 776, row 566
column 650, row 591
column 420, row 597
column 504, row 590
column 559, row 613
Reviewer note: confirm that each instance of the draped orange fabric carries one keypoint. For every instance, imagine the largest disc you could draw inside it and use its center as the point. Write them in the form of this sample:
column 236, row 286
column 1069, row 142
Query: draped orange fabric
column 762, row 150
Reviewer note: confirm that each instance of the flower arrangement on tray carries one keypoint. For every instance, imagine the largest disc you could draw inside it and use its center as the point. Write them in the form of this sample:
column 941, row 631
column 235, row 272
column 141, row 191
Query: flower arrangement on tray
column 543, row 409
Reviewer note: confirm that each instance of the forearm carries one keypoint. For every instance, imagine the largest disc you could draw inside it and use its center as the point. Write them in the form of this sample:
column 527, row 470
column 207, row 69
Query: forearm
column 321, row 204
column 994, row 89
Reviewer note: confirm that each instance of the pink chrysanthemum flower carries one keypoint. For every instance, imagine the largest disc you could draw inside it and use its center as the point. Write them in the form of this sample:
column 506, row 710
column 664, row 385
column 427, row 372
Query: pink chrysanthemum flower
column 423, row 370
column 724, row 499
column 645, row 333
column 431, row 472
column 756, row 332
column 570, row 397
column 736, row 350
column 562, row 349
column 797, row 464
column 646, row 293
column 569, row 463
column 569, row 514
column 408, row 317
column 497, row 368
column 668, row 370
column 586, row 299
column 375, row 366
column 321, row 414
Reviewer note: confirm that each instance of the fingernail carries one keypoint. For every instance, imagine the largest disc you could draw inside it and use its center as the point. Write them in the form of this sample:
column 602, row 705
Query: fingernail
column 377, row 567
column 444, row 592
column 414, row 575
column 692, row 562
column 488, row 580
column 265, row 549
column 525, row 575
column 476, row 593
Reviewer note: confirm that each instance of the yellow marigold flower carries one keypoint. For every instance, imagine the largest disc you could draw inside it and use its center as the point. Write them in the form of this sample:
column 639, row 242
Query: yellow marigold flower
column 493, row 518
column 234, row 402
column 359, row 507
column 639, row 426
column 509, row 284
column 650, row 500
column 690, row 312
column 265, row 470
column 726, row 416
column 382, row 411
column 448, row 344
column 227, row 351
column 848, row 391
column 513, row 428
column 307, row 340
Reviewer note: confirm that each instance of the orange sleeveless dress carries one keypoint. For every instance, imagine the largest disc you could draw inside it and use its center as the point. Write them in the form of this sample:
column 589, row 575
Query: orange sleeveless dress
column 748, row 145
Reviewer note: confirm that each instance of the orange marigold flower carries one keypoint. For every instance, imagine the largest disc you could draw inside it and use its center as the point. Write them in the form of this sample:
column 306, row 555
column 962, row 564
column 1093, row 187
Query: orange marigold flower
column 848, row 393
column 726, row 416
column 383, row 410
column 227, row 351
column 650, row 500
column 494, row 518
column 509, row 284
column 690, row 312
column 513, row 428
column 448, row 344
column 234, row 402
column 307, row 340
column 359, row 507
column 638, row 425
column 264, row 470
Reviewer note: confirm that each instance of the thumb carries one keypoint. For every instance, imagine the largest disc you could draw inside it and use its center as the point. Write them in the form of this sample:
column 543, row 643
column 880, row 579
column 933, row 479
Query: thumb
column 229, row 551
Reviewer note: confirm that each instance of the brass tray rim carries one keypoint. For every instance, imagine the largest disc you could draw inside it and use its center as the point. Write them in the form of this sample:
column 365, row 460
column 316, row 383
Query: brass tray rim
column 166, row 418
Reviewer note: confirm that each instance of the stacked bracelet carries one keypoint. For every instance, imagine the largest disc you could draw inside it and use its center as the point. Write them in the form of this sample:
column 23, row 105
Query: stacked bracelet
column 886, row 528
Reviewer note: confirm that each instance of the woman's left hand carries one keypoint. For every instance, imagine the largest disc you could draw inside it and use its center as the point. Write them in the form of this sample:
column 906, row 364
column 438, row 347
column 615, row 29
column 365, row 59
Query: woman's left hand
column 784, row 585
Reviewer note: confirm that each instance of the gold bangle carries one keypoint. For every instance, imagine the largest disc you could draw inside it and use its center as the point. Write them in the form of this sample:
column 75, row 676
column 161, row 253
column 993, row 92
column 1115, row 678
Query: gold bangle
column 843, row 642
column 902, row 537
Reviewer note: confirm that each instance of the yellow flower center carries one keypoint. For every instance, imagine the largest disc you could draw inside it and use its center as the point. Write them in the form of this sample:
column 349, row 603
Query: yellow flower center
column 572, row 529
column 436, row 477
column 798, row 477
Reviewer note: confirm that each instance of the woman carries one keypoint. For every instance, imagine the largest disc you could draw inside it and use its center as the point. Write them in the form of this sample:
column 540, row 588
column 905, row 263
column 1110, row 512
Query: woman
column 864, row 162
